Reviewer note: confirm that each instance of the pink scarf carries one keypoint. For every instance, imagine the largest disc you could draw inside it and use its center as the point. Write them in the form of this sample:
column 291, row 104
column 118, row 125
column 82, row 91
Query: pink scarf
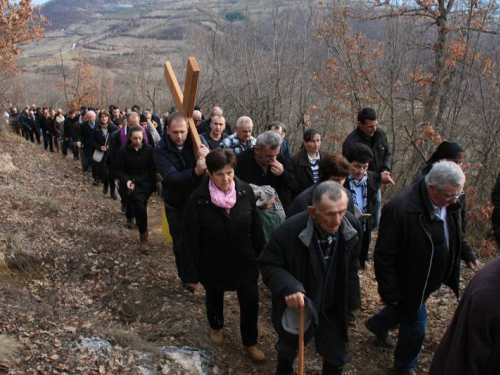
column 221, row 199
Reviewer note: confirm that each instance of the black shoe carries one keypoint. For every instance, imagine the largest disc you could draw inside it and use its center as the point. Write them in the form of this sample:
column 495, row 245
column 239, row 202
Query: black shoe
column 385, row 340
column 105, row 189
column 123, row 208
column 284, row 367
column 113, row 195
column 95, row 182
column 329, row 369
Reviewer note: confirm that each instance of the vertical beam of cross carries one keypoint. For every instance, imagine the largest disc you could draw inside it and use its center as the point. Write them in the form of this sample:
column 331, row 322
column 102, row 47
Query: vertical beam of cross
column 186, row 101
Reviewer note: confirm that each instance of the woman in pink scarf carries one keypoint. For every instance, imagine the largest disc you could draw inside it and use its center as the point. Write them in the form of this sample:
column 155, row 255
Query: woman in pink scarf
column 222, row 238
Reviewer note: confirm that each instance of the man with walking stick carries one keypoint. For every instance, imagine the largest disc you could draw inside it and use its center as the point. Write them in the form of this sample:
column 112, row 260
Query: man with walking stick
column 311, row 261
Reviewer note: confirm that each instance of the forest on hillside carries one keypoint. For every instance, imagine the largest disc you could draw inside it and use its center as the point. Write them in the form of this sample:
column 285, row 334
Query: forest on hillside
column 429, row 68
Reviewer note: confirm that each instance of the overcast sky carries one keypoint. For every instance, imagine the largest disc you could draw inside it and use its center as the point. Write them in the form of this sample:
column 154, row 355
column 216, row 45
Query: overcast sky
column 39, row 2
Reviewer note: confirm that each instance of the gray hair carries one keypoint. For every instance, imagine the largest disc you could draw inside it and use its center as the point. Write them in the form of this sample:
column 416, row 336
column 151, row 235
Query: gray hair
column 332, row 189
column 243, row 120
column 270, row 139
column 443, row 173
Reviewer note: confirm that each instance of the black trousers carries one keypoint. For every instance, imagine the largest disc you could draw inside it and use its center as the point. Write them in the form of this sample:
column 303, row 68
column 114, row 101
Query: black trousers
column 137, row 206
column 327, row 336
column 47, row 141
column 29, row 134
column 248, row 298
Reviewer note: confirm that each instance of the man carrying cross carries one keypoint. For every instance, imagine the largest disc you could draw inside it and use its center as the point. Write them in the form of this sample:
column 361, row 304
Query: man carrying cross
column 181, row 171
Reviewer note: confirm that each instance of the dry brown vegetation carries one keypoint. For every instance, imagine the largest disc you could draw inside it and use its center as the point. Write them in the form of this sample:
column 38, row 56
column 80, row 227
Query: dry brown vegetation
column 70, row 271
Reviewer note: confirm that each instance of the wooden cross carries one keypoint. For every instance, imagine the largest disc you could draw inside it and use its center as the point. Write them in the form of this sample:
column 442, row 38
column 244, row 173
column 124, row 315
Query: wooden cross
column 185, row 102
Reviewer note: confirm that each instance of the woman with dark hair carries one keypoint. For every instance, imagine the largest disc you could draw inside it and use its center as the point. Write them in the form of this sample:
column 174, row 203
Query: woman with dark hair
column 100, row 142
column 306, row 161
column 447, row 150
column 221, row 239
column 134, row 167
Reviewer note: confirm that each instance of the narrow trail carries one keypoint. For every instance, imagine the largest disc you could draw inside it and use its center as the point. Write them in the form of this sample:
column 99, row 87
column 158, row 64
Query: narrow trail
column 69, row 269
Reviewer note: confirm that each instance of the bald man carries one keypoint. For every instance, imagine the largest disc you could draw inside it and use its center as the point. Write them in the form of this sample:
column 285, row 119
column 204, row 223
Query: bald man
column 205, row 125
column 197, row 119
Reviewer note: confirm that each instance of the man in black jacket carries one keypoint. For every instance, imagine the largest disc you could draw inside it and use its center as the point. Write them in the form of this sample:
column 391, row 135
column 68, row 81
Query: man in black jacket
column 314, row 255
column 204, row 125
column 264, row 165
column 419, row 247
column 369, row 134
column 495, row 216
column 70, row 123
column 181, row 171
column 87, row 129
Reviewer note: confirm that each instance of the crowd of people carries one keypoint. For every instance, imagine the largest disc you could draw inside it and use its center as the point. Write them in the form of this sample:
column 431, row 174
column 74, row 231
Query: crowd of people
column 240, row 206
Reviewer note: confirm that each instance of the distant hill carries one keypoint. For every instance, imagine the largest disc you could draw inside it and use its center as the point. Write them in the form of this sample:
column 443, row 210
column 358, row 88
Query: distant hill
column 103, row 28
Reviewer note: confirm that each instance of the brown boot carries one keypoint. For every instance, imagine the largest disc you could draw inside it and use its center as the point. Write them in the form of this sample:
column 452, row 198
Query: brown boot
column 256, row 354
column 216, row 336
column 144, row 245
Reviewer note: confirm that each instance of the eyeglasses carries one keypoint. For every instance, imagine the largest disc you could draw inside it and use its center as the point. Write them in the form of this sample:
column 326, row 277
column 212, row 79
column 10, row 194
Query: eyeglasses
column 454, row 197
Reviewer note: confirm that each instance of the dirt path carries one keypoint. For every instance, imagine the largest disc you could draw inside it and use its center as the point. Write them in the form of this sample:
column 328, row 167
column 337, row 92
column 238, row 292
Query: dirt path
column 71, row 269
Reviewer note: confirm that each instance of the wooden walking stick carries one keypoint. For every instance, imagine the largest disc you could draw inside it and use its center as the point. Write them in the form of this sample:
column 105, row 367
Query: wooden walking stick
column 301, row 341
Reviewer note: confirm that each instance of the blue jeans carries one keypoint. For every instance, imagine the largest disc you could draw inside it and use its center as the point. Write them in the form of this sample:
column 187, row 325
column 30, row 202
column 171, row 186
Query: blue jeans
column 411, row 334
column 377, row 209
column 174, row 218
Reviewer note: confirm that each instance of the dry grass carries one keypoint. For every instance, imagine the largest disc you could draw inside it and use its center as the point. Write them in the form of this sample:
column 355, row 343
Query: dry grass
column 8, row 348
column 15, row 261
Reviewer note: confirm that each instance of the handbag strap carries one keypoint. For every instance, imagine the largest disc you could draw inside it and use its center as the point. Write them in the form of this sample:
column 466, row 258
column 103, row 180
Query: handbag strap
column 106, row 141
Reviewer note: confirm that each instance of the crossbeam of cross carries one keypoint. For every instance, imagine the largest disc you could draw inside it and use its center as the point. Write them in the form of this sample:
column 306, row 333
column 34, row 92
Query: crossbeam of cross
column 186, row 101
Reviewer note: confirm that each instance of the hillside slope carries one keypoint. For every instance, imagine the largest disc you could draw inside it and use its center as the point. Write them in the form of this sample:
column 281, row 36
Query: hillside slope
column 70, row 272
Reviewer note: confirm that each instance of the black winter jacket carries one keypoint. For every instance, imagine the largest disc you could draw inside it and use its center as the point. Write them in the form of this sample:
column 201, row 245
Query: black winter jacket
column 85, row 136
column 99, row 140
column 495, row 216
column 177, row 170
column 378, row 144
column 220, row 250
column 471, row 345
column 136, row 166
column 406, row 248
column 69, row 128
column 303, row 172
column 288, row 265
column 249, row 171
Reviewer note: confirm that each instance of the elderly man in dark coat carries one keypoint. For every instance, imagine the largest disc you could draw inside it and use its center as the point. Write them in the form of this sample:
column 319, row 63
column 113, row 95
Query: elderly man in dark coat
column 313, row 257
column 264, row 165
column 419, row 247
